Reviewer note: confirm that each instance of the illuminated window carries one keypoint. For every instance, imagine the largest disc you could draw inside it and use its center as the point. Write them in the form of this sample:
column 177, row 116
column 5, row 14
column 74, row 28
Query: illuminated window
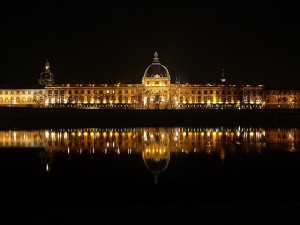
column 113, row 91
column 107, row 91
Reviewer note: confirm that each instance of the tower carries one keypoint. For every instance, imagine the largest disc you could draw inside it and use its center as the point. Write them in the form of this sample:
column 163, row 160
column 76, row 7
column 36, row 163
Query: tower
column 46, row 77
column 223, row 79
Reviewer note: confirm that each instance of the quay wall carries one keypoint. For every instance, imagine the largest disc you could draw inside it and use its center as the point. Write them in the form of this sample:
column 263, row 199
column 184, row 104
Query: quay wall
column 56, row 117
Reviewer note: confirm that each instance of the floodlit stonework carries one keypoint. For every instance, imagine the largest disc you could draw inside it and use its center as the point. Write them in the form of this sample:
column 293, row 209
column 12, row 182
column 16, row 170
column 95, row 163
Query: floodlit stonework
column 155, row 92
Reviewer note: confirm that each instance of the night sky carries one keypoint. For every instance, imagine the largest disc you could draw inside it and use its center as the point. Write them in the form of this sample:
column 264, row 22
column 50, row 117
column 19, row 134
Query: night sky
column 257, row 42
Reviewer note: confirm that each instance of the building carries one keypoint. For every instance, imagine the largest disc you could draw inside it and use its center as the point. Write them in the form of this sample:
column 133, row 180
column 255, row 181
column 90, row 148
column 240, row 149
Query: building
column 155, row 92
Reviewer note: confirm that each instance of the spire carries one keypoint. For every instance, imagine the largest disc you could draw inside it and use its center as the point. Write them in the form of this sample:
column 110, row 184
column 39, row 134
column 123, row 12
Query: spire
column 223, row 79
column 47, row 67
column 156, row 60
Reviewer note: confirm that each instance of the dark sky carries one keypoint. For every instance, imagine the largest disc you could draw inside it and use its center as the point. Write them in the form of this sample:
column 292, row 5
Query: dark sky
column 257, row 42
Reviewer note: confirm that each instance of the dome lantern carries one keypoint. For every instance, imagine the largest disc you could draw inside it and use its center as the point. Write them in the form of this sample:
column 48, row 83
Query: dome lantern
column 46, row 77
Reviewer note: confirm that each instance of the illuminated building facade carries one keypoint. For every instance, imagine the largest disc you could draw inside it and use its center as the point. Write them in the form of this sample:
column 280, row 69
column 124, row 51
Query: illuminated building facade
column 155, row 92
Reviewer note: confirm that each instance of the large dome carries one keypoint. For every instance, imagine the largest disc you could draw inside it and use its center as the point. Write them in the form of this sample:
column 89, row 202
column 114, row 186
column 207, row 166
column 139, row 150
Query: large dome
column 156, row 69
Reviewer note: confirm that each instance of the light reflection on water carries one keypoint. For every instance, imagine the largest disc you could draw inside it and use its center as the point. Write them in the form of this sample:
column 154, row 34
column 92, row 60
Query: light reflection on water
column 155, row 144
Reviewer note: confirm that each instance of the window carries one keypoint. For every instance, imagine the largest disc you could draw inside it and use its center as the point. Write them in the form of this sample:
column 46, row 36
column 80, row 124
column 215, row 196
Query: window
column 49, row 92
column 107, row 91
column 23, row 92
column 6, row 92
column 18, row 92
column 0, row 92
column 12, row 92
column 29, row 92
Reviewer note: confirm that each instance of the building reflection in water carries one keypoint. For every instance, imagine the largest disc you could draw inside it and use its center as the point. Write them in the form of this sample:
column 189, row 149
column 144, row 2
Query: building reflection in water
column 155, row 144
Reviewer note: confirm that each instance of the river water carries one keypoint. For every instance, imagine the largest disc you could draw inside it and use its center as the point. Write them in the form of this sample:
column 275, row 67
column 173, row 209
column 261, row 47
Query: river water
column 103, row 167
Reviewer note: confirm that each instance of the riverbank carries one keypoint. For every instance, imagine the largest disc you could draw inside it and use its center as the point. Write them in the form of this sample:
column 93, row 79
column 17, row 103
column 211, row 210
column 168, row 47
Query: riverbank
column 61, row 117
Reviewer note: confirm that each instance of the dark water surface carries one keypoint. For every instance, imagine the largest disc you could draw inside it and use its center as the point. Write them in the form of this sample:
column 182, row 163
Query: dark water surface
column 150, row 175
column 146, row 167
